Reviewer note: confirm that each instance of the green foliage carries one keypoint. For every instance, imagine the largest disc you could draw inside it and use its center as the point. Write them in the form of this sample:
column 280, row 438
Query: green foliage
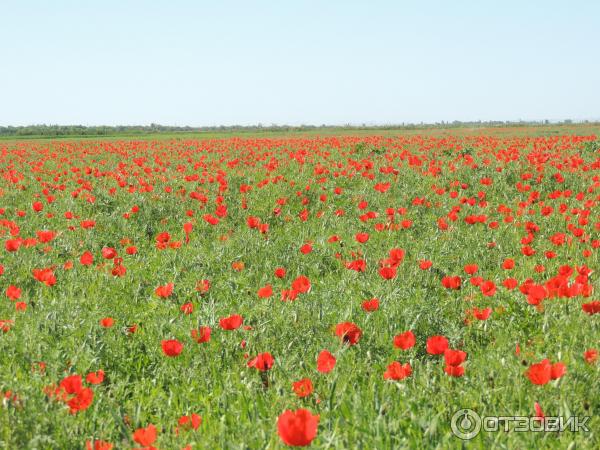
column 56, row 131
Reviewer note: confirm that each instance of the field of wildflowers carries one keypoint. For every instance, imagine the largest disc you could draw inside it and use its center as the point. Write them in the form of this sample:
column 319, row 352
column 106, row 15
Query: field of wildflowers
column 338, row 292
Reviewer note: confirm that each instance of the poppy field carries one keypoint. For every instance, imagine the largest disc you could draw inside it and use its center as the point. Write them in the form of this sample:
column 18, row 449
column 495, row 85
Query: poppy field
column 333, row 292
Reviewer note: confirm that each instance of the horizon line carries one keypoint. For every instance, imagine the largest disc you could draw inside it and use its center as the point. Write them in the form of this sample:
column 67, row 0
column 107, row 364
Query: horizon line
column 566, row 121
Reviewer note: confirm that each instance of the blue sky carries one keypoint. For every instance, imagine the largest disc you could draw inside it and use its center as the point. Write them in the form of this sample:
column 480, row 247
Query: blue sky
column 297, row 62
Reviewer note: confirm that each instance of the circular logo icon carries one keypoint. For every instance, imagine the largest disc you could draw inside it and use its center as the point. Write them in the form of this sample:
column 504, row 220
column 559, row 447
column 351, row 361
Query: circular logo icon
column 465, row 424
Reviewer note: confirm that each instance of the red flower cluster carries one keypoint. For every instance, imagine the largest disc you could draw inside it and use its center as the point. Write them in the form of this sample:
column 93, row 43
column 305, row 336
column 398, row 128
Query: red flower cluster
column 544, row 371
column 72, row 392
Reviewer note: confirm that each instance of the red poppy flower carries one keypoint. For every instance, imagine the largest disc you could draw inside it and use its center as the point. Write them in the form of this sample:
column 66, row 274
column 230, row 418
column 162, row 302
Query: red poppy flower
column 358, row 265
column 370, row 305
column 397, row 371
column 231, row 323
column 437, row 345
column 187, row 229
column 510, row 283
column 451, row 282
column 405, row 340
column 303, row 388
column 6, row 324
column 527, row 251
column 81, row 401
column 488, row 288
column 297, row 428
column 387, row 273
column 362, row 237
column 382, row 187
column 210, row 219
column 201, row 335
column 87, row 224
column 145, row 436
column 171, row 347
column 325, row 362
column 164, row 291
column 536, row 294
column 396, row 256
column 252, row 222
column 262, row 362
column 13, row 292
column 590, row 355
column 191, row 422
column 98, row 445
column 86, row 259
column 107, row 322
column 266, row 291
column 301, row 284
column 348, row 332
column 109, row 253
column 591, row 308
column 95, row 377
column 45, row 276
column 306, row 249
column 425, row 264
column 454, row 371
column 454, row 357
column 558, row 370
column 508, row 264
column 476, row 281
column 481, row 314
column 12, row 245
column 45, row 236
column 288, row 294
column 541, row 373
column 238, row 266
column 71, row 384
column 187, row 308
column 471, row 269
column 280, row 272
column 163, row 238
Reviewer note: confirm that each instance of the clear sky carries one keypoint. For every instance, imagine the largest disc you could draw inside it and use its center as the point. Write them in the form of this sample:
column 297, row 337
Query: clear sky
column 230, row 62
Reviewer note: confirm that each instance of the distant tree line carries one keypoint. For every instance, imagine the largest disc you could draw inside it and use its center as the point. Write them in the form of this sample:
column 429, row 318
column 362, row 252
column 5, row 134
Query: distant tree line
column 80, row 130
